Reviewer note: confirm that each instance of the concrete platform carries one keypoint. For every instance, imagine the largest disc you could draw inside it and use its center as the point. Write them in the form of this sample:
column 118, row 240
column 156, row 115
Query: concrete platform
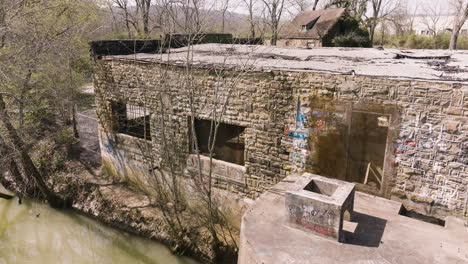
column 377, row 235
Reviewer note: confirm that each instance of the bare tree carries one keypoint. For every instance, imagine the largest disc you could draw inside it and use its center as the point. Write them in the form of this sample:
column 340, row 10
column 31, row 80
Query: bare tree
column 381, row 9
column 314, row 7
column 356, row 8
column 432, row 18
column 401, row 21
column 461, row 7
column 250, row 5
column 274, row 11
column 128, row 16
column 144, row 6
column 225, row 5
column 302, row 5
column 186, row 199
column 26, row 161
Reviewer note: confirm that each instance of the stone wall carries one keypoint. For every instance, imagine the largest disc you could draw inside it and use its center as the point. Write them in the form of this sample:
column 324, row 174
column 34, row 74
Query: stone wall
column 426, row 160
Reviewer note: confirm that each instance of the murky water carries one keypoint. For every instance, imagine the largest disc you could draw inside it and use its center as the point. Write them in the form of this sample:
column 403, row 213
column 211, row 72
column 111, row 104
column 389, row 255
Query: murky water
column 35, row 233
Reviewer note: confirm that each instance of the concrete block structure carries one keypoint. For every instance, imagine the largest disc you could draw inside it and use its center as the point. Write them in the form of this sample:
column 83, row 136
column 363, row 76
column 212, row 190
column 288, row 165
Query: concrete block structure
column 318, row 204
column 395, row 127
column 377, row 234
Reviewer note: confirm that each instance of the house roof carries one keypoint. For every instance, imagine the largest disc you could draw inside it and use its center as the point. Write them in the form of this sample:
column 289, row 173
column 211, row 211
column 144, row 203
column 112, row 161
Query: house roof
column 325, row 20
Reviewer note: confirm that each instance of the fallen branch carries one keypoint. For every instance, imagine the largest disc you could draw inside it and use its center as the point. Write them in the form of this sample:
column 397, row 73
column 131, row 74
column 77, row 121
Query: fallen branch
column 6, row 196
column 429, row 57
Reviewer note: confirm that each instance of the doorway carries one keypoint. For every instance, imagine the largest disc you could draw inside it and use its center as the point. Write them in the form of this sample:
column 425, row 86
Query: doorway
column 350, row 142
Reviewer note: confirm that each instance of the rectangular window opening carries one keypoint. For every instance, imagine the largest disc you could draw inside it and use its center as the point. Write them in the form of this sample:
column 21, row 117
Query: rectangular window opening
column 229, row 144
column 131, row 120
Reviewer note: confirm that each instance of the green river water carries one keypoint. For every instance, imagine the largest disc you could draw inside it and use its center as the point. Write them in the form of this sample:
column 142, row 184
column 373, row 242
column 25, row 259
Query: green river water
column 35, row 233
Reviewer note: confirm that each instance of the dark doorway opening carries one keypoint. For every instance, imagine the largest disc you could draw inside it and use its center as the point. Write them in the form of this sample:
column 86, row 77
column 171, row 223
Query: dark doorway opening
column 367, row 145
column 349, row 144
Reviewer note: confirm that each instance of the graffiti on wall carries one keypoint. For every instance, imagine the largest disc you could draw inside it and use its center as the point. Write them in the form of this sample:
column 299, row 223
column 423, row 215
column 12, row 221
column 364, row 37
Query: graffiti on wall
column 309, row 123
column 298, row 135
column 313, row 218
column 124, row 158
column 405, row 145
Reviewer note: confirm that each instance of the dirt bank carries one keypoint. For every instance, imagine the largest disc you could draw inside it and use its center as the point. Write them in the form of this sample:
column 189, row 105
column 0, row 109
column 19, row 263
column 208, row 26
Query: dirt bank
column 123, row 207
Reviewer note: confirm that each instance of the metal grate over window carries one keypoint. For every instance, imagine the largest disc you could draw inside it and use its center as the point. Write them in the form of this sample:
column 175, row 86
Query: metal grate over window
column 131, row 120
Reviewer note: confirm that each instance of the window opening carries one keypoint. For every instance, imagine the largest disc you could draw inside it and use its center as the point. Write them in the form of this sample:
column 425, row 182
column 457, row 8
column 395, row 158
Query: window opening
column 230, row 141
column 309, row 25
column 131, row 120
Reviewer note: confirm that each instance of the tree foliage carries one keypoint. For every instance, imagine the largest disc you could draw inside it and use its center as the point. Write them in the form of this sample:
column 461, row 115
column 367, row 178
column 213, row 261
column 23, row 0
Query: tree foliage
column 351, row 34
column 42, row 65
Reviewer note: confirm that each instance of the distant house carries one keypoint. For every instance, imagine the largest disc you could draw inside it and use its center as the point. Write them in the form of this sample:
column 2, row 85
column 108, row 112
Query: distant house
column 433, row 25
column 312, row 28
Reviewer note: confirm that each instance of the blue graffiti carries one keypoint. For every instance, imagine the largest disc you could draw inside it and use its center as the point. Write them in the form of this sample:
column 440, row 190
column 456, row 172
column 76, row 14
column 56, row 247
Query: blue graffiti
column 294, row 134
column 110, row 146
column 301, row 118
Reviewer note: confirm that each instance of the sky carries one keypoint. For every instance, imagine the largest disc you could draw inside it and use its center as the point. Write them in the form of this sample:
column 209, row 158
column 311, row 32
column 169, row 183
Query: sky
column 412, row 4
column 421, row 5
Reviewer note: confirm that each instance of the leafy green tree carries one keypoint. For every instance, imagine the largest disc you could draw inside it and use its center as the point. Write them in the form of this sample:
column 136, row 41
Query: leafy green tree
column 43, row 43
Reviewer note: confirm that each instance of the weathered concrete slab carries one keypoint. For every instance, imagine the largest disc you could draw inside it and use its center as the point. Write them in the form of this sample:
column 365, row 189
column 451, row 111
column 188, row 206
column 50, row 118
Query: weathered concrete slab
column 318, row 204
column 369, row 62
column 377, row 235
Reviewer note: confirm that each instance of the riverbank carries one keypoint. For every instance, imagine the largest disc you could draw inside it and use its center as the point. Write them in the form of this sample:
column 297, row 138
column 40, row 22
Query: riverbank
column 33, row 232
column 121, row 206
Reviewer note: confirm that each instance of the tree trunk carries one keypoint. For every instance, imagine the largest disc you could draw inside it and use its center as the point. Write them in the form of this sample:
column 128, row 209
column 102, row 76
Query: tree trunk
column 252, row 30
column 127, row 25
column 146, row 5
column 315, row 5
column 453, row 40
column 223, row 22
column 27, row 163
column 12, row 167
column 274, row 38
column 251, row 20
column 372, row 27
column 459, row 22
column 75, row 128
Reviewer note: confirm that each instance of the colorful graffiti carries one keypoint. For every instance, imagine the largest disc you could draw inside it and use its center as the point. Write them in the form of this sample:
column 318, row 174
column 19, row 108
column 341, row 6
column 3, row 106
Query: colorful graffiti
column 315, row 228
column 298, row 135
column 404, row 146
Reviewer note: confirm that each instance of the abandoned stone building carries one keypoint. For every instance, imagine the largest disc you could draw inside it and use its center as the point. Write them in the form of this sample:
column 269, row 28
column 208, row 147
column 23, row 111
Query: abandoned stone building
column 396, row 126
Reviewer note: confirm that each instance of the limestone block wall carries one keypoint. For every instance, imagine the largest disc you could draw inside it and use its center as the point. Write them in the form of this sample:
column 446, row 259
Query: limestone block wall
column 256, row 103
column 428, row 153
column 426, row 159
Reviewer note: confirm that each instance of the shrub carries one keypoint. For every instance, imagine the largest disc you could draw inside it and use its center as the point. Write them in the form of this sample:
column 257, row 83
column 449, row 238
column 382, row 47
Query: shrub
column 349, row 34
column 351, row 39
column 413, row 41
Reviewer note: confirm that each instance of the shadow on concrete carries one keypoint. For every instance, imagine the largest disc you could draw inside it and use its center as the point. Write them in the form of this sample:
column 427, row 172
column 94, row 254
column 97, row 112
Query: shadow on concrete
column 368, row 232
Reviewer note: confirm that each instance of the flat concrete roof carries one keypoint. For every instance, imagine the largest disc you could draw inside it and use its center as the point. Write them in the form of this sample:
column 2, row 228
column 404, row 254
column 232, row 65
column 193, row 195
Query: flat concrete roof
column 378, row 234
column 412, row 64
